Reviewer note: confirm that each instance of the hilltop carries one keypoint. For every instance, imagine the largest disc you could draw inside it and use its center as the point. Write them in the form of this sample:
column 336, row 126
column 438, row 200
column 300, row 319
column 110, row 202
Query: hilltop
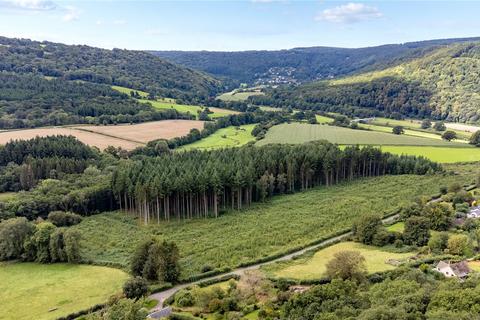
column 301, row 65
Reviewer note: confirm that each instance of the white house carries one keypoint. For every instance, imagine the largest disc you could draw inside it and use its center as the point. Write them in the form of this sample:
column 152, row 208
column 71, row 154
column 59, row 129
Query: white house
column 459, row 270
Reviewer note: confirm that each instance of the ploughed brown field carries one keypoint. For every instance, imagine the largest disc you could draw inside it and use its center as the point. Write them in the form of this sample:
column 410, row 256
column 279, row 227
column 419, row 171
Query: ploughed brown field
column 126, row 136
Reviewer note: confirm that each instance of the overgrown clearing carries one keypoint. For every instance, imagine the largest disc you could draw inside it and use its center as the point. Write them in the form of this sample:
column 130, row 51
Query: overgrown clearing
column 315, row 267
column 226, row 137
column 30, row 290
column 300, row 132
column 264, row 229
column 192, row 109
column 438, row 154
column 126, row 136
column 397, row 227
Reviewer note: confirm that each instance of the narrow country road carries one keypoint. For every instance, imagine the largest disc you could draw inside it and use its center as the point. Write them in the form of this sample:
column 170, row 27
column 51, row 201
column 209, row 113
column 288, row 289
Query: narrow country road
column 162, row 296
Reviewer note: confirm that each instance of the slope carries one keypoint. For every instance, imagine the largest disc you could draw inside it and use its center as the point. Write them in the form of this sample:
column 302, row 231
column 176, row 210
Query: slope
column 300, row 65
column 442, row 85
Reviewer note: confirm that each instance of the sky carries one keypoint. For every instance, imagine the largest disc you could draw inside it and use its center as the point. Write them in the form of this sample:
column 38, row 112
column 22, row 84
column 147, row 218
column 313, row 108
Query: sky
column 237, row 25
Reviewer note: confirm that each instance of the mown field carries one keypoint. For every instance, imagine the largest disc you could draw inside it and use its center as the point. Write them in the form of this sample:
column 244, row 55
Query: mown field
column 300, row 132
column 264, row 229
column 128, row 91
column 314, row 267
column 223, row 138
column 438, row 154
column 39, row 291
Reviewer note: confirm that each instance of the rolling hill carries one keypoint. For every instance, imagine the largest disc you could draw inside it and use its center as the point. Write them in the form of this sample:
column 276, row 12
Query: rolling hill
column 300, row 65
column 133, row 69
column 443, row 84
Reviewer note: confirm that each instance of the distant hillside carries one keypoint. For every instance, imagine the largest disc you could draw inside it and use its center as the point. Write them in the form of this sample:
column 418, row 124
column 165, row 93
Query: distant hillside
column 301, row 65
column 134, row 69
column 445, row 84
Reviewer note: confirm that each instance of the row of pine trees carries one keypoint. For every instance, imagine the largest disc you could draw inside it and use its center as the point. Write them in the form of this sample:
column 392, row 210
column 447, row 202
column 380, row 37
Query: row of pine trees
column 185, row 185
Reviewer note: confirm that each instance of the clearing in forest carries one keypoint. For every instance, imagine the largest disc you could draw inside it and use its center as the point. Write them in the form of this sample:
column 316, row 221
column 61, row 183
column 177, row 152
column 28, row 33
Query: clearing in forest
column 192, row 109
column 223, row 138
column 281, row 224
column 236, row 95
column 49, row 291
column 295, row 133
column 315, row 267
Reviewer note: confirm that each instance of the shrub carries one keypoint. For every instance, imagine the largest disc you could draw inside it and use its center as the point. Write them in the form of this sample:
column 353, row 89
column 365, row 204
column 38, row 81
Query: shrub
column 64, row 219
column 449, row 135
column 206, row 268
column 439, row 126
column 184, row 298
column 475, row 139
column 398, row 130
column 135, row 288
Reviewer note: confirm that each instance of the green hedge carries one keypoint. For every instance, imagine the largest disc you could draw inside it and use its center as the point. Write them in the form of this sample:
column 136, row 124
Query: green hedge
column 77, row 314
column 226, row 277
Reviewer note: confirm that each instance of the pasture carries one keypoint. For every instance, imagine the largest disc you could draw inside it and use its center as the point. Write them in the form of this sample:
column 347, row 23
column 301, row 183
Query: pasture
column 264, row 229
column 315, row 267
column 125, row 90
column 236, row 95
column 295, row 133
column 224, row 138
column 438, row 154
column 49, row 291
column 192, row 109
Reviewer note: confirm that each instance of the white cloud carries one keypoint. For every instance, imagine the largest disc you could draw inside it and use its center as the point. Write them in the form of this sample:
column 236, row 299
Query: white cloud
column 29, row 5
column 119, row 22
column 349, row 13
column 72, row 14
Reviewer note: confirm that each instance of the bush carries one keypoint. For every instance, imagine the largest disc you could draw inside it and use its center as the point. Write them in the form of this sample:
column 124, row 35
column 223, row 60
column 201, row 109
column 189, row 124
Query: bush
column 475, row 139
column 184, row 298
column 64, row 219
column 13, row 233
column 206, row 268
column 439, row 126
column 398, row 130
column 135, row 288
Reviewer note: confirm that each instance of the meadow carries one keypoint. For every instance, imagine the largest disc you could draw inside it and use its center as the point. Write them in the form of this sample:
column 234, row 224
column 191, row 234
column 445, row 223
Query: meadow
column 125, row 90
column 265, row 229
column 300, row 132
column 223, row 138
column 238, row 96
column 192, row 109
column 314, row 267
column 39, row 291
column 438, row 154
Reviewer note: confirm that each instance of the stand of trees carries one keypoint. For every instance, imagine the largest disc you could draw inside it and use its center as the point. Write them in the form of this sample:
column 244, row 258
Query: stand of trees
column 201, row 184
column 43, row 242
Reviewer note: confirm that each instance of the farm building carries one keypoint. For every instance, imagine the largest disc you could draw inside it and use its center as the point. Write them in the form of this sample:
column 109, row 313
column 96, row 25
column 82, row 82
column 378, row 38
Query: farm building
column 459, row 270
column 474, row 212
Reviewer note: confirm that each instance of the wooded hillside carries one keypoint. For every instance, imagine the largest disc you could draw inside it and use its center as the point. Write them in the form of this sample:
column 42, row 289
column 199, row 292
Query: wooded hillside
column 133, row 69
column 442, row 85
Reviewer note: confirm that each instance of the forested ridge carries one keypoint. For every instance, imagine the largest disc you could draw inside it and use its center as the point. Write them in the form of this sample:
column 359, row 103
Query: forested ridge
column 192, row 184
column 28, row 100
column 442, row 85
column 301, row 64
column 133, row 69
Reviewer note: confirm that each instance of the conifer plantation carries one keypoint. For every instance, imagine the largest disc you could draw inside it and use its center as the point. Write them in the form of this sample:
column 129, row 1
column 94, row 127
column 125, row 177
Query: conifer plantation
column 185, row 185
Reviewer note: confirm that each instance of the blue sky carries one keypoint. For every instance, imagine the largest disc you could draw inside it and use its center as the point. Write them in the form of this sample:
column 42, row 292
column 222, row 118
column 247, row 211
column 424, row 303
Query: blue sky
column 237, row 25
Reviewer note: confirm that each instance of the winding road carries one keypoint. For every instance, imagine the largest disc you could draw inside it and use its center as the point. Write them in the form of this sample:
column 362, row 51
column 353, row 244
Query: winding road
column 163, row 295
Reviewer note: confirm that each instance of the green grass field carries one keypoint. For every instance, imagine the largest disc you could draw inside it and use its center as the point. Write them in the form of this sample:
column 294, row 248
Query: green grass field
column 323, row 119
column 316, row 266
column 142, row 94
column 438, row 154
column 223, row 138
column 283, row 223
column 301, row 132
column 238, row 96
column 397, row 227
column 5, row 196
column 162, row 105
column 30, row 290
